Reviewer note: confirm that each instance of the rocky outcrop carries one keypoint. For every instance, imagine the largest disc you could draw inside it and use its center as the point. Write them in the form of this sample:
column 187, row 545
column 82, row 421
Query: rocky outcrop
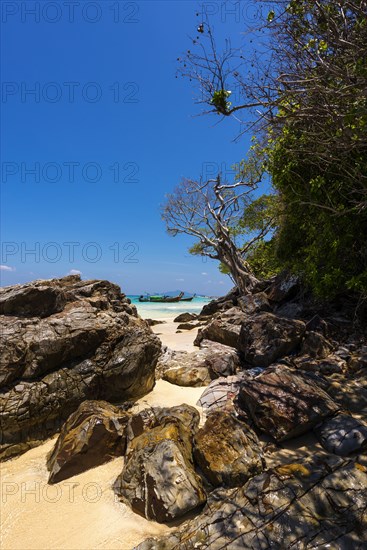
column 227, row 451
column 221, row 304
column 254, row 303
column 283, row 404
column 266, row 338
column 221, row 394
column 91, row 436
column 158, row 480
column 320, row 503
column 85, row 343
column 284, row 287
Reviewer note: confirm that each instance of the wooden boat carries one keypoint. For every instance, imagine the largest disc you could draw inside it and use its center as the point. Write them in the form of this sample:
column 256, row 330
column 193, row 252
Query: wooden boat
column 145, row 298
column 166, row 299
column 188, row 299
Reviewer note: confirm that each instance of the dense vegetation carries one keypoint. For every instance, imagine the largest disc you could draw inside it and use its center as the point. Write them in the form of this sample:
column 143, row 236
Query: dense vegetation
column 308, row 90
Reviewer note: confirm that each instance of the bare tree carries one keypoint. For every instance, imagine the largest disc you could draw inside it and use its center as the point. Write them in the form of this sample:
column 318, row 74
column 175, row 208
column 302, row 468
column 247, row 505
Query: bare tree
column 210, row 212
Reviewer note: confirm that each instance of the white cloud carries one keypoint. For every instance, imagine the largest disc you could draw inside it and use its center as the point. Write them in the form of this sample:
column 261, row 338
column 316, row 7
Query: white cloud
column 180, row 280
column 203, row 273
column 221, row 282
column 6, row 268
column 74, row 272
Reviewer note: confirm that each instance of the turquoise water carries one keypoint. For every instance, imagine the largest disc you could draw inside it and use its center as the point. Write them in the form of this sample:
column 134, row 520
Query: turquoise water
column 150, row 310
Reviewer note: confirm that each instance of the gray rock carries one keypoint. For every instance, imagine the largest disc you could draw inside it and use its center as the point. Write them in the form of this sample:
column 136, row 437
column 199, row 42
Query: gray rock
column 342, row 435
column 224, row 329
column 254, row 303
column 315, row 345
column 185, row 317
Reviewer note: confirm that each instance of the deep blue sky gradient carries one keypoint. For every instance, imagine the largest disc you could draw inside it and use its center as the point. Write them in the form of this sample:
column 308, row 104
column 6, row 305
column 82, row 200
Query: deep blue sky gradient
column 155, row 140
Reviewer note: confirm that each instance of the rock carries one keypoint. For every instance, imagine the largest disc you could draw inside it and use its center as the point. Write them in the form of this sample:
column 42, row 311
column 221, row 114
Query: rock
column 220, row 394
column 31, row 300
column 330, row 365
column 188, row 376
column 283, row 404
column 198, row 368
column 342, row 435
column 154, row 322
column 95, row 348
column 91, row 436
column 315, row 345
column 158, row 480
column 284, row 287
column 188, row 326
column 220, row 304
column 185, row 317
column 319, row 503
column 317, row 324
column 289, row 310
column 266, row 338
column 227, row 451
column 224, row 329
column 221, row 360
column 254, row 303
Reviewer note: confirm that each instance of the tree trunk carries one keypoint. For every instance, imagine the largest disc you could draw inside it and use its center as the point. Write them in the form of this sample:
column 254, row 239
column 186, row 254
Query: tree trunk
column 240, row 270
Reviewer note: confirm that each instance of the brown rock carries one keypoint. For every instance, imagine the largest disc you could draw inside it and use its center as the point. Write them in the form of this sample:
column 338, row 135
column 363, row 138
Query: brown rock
column 266, row 338
column 91, row 436
column 283, row 404
column 185, row 317
column 227, row 451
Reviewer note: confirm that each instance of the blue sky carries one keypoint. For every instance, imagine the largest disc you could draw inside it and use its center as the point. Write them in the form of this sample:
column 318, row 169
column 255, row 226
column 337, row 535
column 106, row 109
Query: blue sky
column 88, row 156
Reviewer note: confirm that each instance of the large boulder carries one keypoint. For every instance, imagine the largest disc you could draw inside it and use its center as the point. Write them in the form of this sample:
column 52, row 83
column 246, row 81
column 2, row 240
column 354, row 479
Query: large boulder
column 284, row 287
column 254, row 303
column 92, row 435
column 227, row 451
column 185, row 317
column 284, row 404
column 221, row 394
column 319, row 503
column 92, row 346
column 221, row 304
column 158, row 479
column 266, row 338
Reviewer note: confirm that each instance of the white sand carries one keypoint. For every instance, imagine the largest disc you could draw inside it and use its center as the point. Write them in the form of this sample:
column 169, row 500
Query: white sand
column 81, row 512
column 182, row 341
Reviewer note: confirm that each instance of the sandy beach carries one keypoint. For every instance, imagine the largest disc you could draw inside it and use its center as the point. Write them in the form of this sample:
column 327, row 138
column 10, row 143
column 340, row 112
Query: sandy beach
column 81, row 512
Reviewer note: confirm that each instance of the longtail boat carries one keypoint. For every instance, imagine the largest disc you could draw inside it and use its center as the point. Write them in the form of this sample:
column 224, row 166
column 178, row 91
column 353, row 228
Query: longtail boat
column 188, row 299
column 166, row 299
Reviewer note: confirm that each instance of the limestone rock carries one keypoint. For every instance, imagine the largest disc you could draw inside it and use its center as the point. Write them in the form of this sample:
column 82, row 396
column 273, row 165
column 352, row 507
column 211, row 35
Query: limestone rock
column 283, row 404
column 254, row 303
column 227, row 451
column 188, row 376
column 315, row 345
column 224, row 329
column 92, row 435
column 266, row 338
column 284, row 287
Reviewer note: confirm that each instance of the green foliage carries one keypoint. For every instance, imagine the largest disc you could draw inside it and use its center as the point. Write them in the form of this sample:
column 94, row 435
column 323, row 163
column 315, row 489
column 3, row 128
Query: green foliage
column 220, row 101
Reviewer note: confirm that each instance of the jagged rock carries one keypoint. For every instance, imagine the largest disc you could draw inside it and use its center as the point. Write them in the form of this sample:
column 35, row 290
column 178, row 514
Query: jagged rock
column 289, row 310
column 320, row 503
column 315, row 345
column 254, row 303
column 95, row 348
column 31, row 300
column 221, row 304
column 91, row 436
column 220, row 359
column 283, row 404
column 224, row 329
column 158, row 480
column 284, row 287
column 185, row 317
column 342, row 435
column 266, row 338
column 227, row 451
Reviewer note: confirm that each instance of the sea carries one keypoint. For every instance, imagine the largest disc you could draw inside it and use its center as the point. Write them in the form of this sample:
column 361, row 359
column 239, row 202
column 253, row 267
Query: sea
column 151, row 310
